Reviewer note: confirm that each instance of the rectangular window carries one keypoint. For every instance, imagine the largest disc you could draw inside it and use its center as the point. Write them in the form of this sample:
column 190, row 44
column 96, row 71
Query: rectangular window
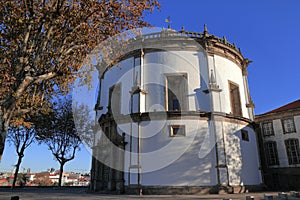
column 271, row 153
column 177, row 130
column 114, row 103
column 245, row 135
column 235, row 99
column 268, row 129
column 176, row 92
column 288, row 125
column 292, row 150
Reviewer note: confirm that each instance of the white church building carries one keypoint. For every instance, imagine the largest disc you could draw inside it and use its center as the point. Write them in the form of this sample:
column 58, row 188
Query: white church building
column 176, row 116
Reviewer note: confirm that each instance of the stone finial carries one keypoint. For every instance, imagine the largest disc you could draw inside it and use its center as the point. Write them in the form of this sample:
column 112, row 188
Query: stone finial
column 213, row 86
column 136, row 83
column 205, row 28
column 182, row 29
column 168, row 20
column 205, row 32
column 225, row 40
column 212, row 78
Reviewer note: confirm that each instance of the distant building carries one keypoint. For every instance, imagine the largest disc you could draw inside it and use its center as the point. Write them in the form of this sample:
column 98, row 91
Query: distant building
column 185, row 90
column 3, row 182
column 47, row 179
column 279, row 134
column 54, row 177
column 5, row 179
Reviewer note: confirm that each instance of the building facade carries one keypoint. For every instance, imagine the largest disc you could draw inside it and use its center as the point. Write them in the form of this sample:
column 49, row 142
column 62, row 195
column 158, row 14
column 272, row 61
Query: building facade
column 279, row 133
column 176, row 115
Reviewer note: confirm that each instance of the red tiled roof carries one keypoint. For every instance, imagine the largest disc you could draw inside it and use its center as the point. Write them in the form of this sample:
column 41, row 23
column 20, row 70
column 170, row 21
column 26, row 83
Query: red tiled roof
column 293, row 105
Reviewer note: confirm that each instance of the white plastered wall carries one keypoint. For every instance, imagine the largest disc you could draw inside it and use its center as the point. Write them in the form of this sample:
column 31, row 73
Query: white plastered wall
column 225, row 71
column 242, row 156
column 157, row 64
column 123, row 73
column 188, row 169
column 173, row 161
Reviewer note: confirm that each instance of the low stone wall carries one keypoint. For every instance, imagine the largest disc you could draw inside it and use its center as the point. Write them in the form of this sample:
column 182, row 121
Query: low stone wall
column 168, row 190
column 249, row 188
column 188, row 190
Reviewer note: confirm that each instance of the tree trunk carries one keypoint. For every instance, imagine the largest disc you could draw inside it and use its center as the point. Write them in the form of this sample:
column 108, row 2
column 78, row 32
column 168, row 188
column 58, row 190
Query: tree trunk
column 2, row 133
column 61, row 169
column 17, row 169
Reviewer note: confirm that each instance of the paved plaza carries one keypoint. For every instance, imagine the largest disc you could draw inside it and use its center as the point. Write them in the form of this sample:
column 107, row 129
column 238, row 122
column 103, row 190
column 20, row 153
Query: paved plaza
column 81, row 194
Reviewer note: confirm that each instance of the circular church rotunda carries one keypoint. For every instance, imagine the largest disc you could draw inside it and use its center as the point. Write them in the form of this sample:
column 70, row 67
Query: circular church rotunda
column 176, row 116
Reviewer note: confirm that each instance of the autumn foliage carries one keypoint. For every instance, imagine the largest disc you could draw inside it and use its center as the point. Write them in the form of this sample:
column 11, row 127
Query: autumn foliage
column 43, row 42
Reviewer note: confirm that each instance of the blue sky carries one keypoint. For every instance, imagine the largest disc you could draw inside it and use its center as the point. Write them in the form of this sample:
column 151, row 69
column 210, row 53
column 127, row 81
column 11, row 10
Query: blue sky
column 267, row 31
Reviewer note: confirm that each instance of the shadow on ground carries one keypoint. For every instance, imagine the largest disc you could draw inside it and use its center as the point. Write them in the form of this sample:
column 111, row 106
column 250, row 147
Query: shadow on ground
column 53, row 193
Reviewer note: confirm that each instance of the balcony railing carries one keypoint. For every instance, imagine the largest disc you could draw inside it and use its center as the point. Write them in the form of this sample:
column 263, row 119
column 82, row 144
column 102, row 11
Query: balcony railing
column 165, row 34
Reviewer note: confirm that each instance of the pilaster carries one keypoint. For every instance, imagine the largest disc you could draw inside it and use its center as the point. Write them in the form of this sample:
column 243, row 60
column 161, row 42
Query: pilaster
column 217, row 129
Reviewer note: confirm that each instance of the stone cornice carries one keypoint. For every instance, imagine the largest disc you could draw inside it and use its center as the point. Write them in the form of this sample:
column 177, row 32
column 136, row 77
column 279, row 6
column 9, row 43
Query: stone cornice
column 170, row 40
column 217, row 46
column 175, row 115
column 170, row 115
column 220, row 116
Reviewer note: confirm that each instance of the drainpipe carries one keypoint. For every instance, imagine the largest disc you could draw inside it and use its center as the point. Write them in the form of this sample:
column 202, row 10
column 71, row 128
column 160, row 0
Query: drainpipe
column 139, row 138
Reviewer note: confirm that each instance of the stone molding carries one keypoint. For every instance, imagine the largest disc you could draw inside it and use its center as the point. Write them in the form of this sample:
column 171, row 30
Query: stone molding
column 175, row 115
column 170, row 40
column 192, row 190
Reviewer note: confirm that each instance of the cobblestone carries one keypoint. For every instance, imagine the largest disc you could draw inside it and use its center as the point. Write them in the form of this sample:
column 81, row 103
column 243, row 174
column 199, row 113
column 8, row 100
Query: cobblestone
column 80, row 193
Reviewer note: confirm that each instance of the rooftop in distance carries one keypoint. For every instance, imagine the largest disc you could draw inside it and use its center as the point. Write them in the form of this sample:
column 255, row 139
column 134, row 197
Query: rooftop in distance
column 289, row 106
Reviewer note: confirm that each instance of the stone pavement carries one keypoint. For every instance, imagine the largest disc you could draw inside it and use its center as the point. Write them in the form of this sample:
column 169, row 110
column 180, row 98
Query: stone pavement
column 80, row 194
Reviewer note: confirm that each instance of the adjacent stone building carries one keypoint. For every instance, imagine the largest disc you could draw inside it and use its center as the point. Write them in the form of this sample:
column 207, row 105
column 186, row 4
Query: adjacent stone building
column 279, row 133
column 176, row 115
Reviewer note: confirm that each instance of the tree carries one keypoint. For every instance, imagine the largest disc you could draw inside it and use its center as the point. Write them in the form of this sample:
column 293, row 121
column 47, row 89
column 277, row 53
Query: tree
column 85, row 123
column 58, row 132
column 22, row 179
column 21, row 138
column 43, row 42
